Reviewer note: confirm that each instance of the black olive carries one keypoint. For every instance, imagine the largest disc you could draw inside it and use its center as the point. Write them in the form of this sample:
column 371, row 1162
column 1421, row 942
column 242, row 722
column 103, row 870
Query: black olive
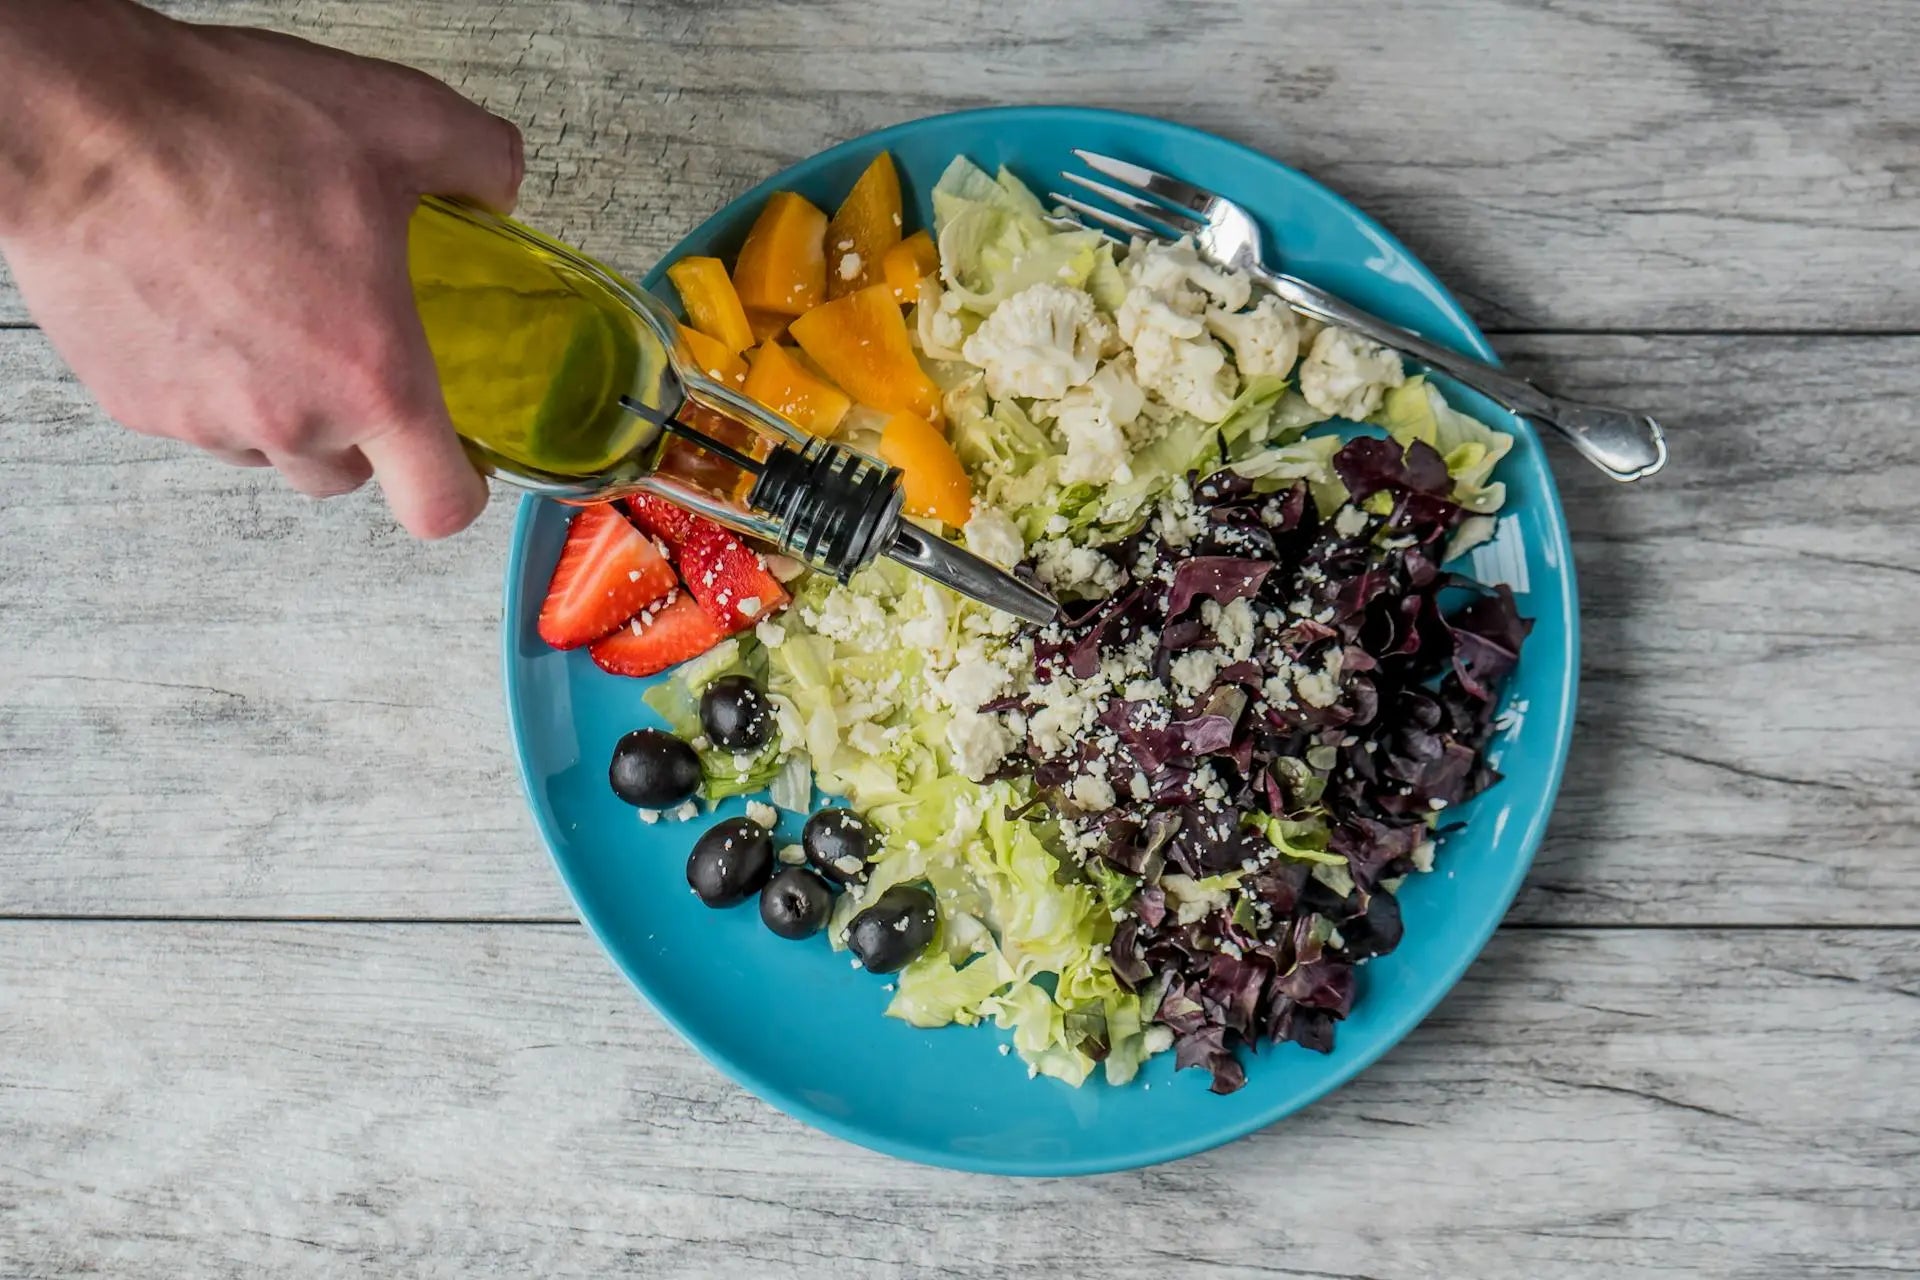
column 895, row 929
column 730, row 862
column 735, row 714
column 653, row 770
column 839, row 844
column 795, row 903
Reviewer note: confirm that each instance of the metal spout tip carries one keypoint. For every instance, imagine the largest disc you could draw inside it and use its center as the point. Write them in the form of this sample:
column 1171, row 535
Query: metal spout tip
column 956, row 567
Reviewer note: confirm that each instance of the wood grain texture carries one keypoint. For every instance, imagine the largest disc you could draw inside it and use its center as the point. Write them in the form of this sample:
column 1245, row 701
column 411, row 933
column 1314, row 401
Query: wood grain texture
column 1628, row 164
column 309, row 722
column 453, row 1100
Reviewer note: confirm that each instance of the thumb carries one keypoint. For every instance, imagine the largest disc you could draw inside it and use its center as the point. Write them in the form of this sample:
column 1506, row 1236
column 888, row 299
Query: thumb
column 456, row 147
column 423, row 469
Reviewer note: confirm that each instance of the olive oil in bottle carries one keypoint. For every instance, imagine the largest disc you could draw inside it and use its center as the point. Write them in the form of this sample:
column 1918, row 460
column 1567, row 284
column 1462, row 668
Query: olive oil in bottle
column 534, row 344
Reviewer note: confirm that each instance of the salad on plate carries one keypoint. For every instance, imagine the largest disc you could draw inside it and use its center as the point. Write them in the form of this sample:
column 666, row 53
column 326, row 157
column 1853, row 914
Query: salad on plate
column 1176, row 817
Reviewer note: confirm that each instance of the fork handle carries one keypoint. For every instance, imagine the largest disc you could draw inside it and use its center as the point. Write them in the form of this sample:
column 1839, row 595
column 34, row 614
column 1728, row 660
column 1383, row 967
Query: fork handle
column 1625, row 445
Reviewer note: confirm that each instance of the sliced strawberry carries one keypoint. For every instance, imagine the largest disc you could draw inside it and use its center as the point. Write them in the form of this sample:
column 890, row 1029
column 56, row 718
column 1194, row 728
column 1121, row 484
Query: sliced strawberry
column 665, row 633
column 729, row 578
column 608, row 571
column 665, row 521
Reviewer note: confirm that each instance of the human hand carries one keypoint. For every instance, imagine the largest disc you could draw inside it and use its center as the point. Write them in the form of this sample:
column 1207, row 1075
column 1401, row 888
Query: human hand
column 210, row 224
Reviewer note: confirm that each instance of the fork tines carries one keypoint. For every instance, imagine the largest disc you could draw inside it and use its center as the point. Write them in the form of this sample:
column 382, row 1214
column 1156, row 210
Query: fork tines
column 1166, row 218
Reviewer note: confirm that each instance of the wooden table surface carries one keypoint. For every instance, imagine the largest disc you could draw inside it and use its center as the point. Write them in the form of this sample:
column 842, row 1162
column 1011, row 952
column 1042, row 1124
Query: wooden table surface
column 287, row 986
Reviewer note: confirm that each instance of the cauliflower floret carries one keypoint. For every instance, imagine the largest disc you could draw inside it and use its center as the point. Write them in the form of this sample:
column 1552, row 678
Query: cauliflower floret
column 1346, row 375
column 993, row 536
column 1092, row 422
column 1038, row 343
column 1173, row 270
column 1097, row 449
column 1265, row 340
column 1175, row 359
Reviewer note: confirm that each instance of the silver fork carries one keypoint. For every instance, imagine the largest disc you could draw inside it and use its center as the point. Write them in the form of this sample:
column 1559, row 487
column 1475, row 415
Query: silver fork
column 1627, row 446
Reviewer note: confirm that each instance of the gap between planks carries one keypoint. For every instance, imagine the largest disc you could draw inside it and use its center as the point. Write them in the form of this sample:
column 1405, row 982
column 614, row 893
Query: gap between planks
column 562, row 922
column 1545, row 331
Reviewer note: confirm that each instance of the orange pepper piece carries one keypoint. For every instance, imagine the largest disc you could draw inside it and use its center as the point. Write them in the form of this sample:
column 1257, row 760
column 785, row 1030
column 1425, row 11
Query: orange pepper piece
column 908, row 263
column 931, row 477
column 714, row 359
column 712, row 305
column 865, row 226
column 767, row 326
column 787, row 387
column 782, row 267
column 861, row 342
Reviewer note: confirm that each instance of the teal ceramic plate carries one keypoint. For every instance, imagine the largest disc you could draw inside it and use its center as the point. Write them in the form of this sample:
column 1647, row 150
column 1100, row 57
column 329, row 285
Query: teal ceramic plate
column 794, row 1022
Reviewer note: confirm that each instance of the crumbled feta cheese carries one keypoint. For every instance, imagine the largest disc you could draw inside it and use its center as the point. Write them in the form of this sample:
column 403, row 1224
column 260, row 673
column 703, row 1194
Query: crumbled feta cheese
column 1055, row 727
column 783, row 568
column 770, row 633
column 993, row 536
column 867, row 737
column 1062, row 566
column 792, row 855
column 973, row 681
column 1422, row 856
column 649, row 816
column 1265, row 340
column 1350, row 522
column 1233, row 624
column 1095, row 795
column 849, row 265
column 764, row 814
column 1316, row 689
column 1138, row 786
column 749, row 607
column 1038, row 343
column 1194, row 670
column 978, row 743
column 687, row 811
column 852, row 617
column 1346, row 375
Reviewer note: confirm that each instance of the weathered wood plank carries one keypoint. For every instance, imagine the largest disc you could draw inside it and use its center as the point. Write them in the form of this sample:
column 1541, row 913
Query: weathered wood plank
column 450, row 1100
column 1632, row 164
column 308, row 722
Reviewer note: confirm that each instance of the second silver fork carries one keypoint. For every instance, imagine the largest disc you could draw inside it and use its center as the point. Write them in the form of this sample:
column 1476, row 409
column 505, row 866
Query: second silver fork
column 1625, row 445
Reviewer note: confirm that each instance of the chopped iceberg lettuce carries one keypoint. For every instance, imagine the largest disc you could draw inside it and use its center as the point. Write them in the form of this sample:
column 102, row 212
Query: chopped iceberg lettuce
column 1416, row 410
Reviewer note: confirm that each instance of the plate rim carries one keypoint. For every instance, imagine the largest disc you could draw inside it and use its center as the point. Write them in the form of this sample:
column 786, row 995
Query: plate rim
column 784, row 1099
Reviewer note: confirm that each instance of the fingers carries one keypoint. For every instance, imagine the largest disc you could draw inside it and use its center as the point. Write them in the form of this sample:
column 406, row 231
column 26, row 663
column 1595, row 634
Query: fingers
column 325, row 475
column 427, row 479
column 455, row 147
